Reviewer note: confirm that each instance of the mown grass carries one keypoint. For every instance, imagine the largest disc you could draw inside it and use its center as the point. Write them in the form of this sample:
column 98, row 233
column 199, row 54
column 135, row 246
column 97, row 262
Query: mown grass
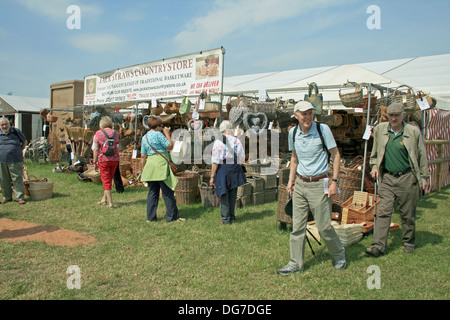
column 201, row 259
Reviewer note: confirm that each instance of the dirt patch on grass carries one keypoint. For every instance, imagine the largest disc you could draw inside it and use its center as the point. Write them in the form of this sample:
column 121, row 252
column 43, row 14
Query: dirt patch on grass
column 11, row 230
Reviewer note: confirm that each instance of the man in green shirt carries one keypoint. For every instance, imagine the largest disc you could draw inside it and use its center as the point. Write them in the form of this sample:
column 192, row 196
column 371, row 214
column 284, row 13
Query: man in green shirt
column 399, row 159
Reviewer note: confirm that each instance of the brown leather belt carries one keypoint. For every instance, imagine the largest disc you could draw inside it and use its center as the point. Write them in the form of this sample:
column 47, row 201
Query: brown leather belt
column 311, row 179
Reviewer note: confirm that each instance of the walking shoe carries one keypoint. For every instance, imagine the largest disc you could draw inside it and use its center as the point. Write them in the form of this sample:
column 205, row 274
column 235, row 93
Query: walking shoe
column 287, row 269
column 340, row 264
column 21, row 201
column 374, row 252
column 408, row 249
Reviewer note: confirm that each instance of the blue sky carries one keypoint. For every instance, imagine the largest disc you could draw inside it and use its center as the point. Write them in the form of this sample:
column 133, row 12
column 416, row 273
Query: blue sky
column 38, row 48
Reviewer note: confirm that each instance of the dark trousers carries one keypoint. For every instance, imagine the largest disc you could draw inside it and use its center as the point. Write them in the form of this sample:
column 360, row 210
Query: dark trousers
column 69, row 152
column 402, row 192
column 169, row 199
column 227, row 203
column 118, row 181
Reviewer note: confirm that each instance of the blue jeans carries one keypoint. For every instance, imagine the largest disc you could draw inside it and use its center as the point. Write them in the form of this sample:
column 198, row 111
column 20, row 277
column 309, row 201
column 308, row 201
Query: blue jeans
column 169, row 199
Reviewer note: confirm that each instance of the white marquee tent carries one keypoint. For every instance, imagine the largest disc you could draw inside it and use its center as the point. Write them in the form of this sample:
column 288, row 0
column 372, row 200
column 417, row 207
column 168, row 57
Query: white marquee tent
column 430, row 74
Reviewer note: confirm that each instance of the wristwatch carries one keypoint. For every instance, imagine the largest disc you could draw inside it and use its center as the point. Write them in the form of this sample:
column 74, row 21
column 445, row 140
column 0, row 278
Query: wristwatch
column 335, row 180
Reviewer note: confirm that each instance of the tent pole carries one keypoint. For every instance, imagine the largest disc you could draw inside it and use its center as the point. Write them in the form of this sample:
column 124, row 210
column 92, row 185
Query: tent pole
column 369, row 91
column 221, row 85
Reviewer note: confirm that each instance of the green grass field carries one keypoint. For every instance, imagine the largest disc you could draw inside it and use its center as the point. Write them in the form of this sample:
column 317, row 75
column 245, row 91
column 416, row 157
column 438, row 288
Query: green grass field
column 201, row 259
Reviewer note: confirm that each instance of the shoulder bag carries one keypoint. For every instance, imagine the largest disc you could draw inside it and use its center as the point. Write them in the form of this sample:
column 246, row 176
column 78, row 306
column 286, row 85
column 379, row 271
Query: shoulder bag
column 172, row 165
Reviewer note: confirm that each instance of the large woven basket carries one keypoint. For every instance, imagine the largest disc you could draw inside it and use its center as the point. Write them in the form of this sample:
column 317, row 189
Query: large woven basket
column 344, row 195
column 361, row 214
column 41, row 190
column 211, row 106
column 187, row 181
column 283, row 175
column 408, row 99
column 351, row 99
column 136, row 166
column 208, row 195
column 29, row 179
column 257, row 183
column 186, row 197
column 244, row 190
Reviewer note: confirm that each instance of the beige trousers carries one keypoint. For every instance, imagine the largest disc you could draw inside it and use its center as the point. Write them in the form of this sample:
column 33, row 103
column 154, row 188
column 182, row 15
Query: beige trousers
column 310, row 196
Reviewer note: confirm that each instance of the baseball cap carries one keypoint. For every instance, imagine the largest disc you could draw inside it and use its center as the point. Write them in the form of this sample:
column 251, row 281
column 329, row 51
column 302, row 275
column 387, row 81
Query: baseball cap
column 395, row 108
column 302, row 106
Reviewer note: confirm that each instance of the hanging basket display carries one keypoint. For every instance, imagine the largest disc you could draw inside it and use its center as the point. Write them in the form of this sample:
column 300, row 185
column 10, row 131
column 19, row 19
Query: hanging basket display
column 351, row 99
column 408, row 99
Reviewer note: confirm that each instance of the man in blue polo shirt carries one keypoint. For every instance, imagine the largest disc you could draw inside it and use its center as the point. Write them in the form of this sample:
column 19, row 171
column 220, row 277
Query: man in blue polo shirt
column 12, row 143
column 310, row 187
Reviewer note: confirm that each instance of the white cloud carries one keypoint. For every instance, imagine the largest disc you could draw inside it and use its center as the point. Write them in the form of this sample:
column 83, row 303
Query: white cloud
column 97, row 43
column 231, row 16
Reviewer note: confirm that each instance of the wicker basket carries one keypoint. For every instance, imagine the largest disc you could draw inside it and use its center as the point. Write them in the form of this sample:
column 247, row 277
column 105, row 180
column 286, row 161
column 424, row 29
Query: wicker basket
column 365, row 102
column 208, row 195
column 258, row 198
column 41, row 190
column 172, row 108
column 344, row 195
column 283, row 195
column 257, row 183
column 211, row 106
column 244, row 190
column 26, row 183
column 187, row 181
column 136, row 166
column 126, row 156
column 124, row 167
column 268, row 108
column 93, row 175
column 283, row 175
column 186, row 197
column 270, row 181
column 270, row 195
column 156, row 111
column 407, row 99
column 349, row 181
column 281, row 214
column 365, row 213
column 352, row 99
column 246, row 200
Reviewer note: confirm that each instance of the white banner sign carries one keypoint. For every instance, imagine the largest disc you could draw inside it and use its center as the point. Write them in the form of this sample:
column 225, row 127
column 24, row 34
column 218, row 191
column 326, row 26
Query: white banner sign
column 174, row 77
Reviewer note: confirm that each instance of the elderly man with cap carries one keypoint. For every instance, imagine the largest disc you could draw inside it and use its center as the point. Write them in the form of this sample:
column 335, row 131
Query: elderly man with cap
column 12, row 144
column 226, row 171
column 311, row 188
column 398, row 157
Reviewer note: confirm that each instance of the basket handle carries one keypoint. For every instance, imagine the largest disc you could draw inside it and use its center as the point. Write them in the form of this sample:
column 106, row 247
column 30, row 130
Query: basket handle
column 313, row 85
column 406, row 86
column 354, row 84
